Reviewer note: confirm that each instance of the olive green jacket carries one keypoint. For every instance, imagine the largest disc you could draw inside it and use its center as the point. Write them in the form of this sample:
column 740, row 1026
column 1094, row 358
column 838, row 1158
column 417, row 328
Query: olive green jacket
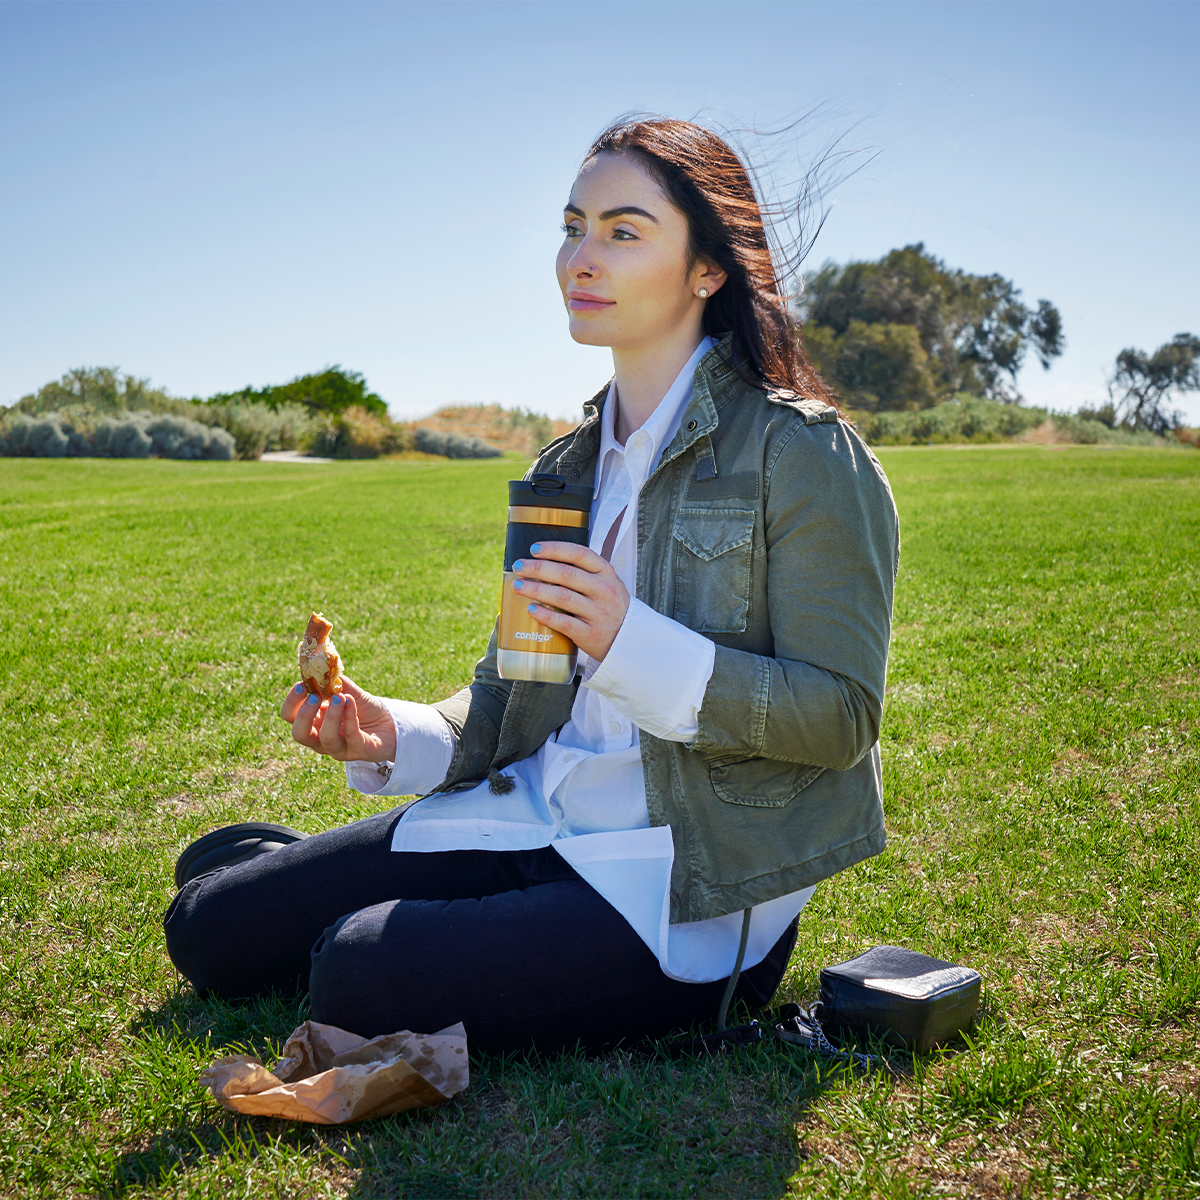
column 769, row 527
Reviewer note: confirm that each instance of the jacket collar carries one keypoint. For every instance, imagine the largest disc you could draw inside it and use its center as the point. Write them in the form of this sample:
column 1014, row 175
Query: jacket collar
column 709, row 384
column 579, row 457
column 712, row 383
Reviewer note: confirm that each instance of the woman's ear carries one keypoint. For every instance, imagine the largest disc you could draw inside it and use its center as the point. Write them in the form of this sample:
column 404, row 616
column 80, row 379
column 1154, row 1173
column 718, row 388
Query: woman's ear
column 707, row 278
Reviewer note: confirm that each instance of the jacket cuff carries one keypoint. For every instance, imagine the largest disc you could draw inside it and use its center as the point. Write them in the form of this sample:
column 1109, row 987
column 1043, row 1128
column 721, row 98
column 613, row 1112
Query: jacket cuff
column 734, row 713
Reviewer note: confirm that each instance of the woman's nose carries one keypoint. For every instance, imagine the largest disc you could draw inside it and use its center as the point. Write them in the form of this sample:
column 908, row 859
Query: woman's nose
column 582, row 261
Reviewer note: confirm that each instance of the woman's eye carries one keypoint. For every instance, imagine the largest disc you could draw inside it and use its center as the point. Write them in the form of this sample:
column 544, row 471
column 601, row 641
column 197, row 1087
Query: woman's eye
column 624, row 235
column 571, row 231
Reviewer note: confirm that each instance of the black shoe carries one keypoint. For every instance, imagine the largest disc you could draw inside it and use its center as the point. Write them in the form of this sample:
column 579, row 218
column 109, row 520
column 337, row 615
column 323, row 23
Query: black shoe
column 232, row 844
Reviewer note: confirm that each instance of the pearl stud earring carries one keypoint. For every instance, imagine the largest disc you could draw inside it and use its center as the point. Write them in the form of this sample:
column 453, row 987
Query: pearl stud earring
column 704, row 293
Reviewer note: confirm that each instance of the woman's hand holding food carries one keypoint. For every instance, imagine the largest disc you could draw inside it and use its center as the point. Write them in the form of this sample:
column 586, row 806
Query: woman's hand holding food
column 352, row 726
column 575, row 580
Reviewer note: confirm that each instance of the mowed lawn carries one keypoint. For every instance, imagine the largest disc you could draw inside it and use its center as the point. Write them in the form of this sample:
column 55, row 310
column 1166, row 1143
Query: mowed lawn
column 1042, row 769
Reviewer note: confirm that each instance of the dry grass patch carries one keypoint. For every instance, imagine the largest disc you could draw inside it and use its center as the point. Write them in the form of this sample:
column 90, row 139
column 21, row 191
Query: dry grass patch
column 506, row 429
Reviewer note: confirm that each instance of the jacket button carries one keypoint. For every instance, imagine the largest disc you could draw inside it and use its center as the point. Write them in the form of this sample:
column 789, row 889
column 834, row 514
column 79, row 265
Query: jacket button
column 691, row 426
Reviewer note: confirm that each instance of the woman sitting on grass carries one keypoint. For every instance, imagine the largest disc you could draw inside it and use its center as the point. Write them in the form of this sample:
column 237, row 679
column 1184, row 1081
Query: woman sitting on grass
column 588, row 862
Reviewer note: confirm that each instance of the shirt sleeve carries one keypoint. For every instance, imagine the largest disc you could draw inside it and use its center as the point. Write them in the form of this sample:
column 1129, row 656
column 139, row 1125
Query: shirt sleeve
column 656, row 673
column 425, row 746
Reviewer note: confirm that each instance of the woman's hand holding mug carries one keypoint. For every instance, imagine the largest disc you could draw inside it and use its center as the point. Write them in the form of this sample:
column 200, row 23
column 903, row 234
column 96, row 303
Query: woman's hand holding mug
column 592, row 599
column 352, row 727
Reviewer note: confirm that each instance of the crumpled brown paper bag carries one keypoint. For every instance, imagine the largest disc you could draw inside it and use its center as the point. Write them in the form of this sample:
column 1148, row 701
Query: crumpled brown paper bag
column 329, row 1076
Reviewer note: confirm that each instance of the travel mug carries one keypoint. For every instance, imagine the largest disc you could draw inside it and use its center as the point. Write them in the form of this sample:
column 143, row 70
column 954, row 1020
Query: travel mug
column 542, row 508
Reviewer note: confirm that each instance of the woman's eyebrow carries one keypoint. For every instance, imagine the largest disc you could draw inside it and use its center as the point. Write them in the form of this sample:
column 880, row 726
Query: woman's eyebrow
column 609, row 214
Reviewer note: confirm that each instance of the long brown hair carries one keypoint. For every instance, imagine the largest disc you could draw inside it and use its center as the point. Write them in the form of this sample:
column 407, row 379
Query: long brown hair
column 704, row 179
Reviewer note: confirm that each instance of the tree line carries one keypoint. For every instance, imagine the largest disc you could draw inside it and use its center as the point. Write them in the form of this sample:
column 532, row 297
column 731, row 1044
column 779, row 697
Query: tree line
column 98, row 411
column 907, row 332
column 901, row 335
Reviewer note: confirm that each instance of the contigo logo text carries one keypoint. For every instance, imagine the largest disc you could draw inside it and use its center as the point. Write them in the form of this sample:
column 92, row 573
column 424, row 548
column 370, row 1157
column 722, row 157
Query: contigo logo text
column 532, row 637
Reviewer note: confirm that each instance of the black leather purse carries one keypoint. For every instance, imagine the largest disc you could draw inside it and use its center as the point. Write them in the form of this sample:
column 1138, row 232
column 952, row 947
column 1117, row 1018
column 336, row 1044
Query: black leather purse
column 906, row 998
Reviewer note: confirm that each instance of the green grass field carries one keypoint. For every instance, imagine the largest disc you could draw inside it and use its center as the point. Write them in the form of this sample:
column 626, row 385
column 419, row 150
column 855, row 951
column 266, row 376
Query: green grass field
column 1042, row 769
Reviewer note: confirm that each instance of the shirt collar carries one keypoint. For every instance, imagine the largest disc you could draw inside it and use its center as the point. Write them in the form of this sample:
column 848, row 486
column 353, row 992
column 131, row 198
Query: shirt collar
column 663, row 422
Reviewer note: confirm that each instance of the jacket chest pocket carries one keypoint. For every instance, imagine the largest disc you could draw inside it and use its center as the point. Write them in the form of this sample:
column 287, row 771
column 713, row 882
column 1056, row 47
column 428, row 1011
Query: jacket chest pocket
column 713, row 560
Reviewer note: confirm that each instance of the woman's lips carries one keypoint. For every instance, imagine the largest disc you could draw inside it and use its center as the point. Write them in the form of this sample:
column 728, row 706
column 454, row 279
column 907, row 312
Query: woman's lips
column 583, row 302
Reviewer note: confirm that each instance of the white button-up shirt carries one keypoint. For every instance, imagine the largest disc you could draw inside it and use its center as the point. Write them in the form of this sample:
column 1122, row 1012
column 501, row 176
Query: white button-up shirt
column 583, row 791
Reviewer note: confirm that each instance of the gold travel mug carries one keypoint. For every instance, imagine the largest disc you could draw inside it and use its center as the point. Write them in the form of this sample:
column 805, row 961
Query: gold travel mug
column 542, row 508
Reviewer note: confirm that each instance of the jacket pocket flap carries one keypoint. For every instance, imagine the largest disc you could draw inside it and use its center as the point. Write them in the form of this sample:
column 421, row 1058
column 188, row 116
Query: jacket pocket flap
column 761, row 782
column 710, row 532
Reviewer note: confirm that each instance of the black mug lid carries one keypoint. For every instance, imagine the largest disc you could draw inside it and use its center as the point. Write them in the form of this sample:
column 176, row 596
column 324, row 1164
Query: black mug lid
column 544, row 490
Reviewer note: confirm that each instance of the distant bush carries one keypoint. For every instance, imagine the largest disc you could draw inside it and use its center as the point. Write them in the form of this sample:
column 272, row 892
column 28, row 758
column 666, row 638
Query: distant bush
column 43, row 437
column 962, row 419
column 257, row 428
column 332, row 391
column 507, row 429
column 98, row 411
column 451, row 445
column 365, row 434
column 1106, row 414
column 178, row 437
column 137, row 435
column 358, row 433
column 121, row 439
column 86, row 395
column 98, row 389
column 968, row 418
column 1072, row 427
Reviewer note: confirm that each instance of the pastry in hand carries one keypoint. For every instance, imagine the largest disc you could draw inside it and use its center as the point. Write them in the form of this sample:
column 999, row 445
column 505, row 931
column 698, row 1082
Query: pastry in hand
column 320, row 663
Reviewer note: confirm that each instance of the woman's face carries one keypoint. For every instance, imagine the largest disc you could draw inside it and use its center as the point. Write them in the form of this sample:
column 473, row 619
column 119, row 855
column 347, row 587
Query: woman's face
column 623, row 265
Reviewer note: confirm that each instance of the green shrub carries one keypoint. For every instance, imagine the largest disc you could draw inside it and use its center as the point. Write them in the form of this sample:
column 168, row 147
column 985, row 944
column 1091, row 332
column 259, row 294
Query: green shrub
column 365, row 434
column 98, row 389
column 963, row 419
column 257, row 428
column 967, row 418
column 179, row 437
column 42, row 437
column 357, row 433
column 1090, row 432
column 75, row 434
column 451, row 445
column 290, row 417
column 334, row 391
column 120, row 439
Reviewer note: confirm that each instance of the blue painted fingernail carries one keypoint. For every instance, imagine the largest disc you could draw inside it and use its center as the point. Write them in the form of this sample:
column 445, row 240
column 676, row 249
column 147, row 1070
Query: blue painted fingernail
column 518, row 584
column 299, row 689
column 519, row 565
column 314, row 699
column 536, row 548
column 531, row 608
column 336, row 700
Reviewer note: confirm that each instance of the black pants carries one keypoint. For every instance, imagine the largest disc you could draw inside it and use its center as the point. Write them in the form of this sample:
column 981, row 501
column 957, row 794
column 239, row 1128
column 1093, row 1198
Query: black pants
column 513, row 943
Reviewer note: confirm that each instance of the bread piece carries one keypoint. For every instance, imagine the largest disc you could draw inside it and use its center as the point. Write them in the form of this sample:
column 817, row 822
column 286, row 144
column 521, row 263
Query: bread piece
column 320, row 663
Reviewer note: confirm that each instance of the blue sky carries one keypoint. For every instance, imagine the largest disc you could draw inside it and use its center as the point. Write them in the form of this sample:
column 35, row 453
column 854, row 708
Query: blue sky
column 215, row 195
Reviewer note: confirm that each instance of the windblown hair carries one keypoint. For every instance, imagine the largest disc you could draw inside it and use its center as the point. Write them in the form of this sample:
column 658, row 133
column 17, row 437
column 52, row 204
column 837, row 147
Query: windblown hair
column 702, row 176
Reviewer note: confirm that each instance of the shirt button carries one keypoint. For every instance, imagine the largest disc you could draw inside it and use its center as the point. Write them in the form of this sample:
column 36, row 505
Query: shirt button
column 619, row 561
column 615, row 727
column 568, row 758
